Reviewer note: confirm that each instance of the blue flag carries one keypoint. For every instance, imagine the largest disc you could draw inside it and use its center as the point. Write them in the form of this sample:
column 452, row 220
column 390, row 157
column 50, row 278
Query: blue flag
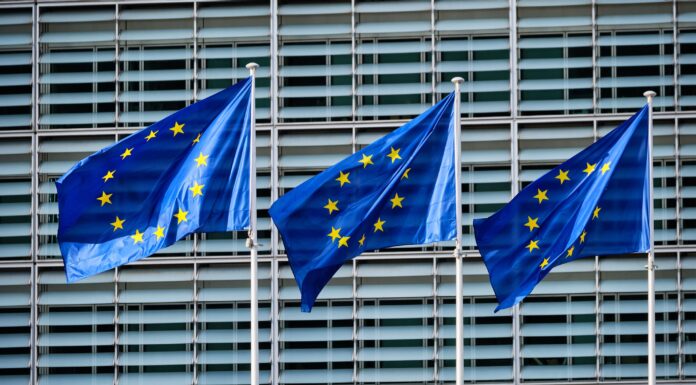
column 187, row 173
column 399, row 190
column 595, row 203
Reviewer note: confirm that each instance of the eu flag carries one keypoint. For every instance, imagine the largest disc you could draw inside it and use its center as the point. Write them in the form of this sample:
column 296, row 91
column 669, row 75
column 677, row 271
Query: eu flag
column 595, row 203
column 187, row 173
column 398, row 190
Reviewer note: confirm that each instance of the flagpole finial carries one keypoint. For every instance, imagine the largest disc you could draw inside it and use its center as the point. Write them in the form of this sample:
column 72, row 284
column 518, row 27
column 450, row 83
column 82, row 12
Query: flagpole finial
column 252, row 67
column 457, row 80
column 649, row 94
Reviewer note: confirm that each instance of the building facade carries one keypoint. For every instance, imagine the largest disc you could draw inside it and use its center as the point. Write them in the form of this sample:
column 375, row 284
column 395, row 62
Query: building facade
column 543, row 79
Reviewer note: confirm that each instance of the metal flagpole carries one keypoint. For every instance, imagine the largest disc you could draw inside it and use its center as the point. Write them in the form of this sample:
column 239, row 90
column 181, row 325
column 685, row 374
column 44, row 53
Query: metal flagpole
column 651, row 253
column 251, row 240
column 459, row 300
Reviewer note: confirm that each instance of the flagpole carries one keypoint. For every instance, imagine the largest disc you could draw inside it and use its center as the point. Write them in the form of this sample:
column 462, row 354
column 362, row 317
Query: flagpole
column 651, row 253
column 251, row 241
column 459, row 300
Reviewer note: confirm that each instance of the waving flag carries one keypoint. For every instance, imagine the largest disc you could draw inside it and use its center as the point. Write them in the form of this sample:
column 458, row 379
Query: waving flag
column 595, row 203
column 398, row 190
column 187, row 173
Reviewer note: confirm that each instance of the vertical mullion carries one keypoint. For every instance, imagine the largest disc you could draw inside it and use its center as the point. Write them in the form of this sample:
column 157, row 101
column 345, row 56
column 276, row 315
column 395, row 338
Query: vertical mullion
column 680, row 320
column 595, row 52
column 675, row 54
column 275, row 322
column 196, row 236
column 195, row 51
column 353, row 63
column 436, row 332
column 116, row 326
column 275, row 192
column 514, row 168
column 33, row 311
column 275, row 188
column 566, row 74
column 598, row 320
column 117, row 66
column 433, row 73
column 35, row 68
column 274, row 59
column 33, row 327
column 354, row 315
column 678, row 207
column 598, row 302
column 194, row 339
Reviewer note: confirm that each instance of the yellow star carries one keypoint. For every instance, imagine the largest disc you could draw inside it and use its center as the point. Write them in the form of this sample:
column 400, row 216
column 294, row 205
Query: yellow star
column 582, row 236
column 331, row 206
column 606, row 167
column 394, row 154
column 378, row 225
column 202, row 160
column 589, row 168
column 109, row 175
column 343, row 178
column 105, row 198
column 118, row 223
column 152, row 135
column 541, row 195
column 334, row 234
column 177, row 129
column 361, row 241
column 570, row 251
column 198, row 139
column 396, row 201
column 159, row 233
column 544, row 263
column 595, row 214
column 532, row 223
column 343, row 242
column 126, row 153
column 197, row 189
column 406, row 173
column 532, row 245
column 562, row 176
column 137, row 237
column 181, row 216
column 366, row 159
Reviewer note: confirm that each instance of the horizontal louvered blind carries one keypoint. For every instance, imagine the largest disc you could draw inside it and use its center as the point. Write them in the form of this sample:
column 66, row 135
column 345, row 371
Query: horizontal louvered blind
column 230, row 36
column 15, row 68
column 394, row 78
column 75, row 328
column 15, row 329
column 488, row 338
column 630, row 63
column 316, row 347
column 623, row 323
column 223, row 322
column 76, row 83
column 486, row 173
column 556, row 73
column 316, row 81
column 315, row 76
column 485, row 66
column 15, row 198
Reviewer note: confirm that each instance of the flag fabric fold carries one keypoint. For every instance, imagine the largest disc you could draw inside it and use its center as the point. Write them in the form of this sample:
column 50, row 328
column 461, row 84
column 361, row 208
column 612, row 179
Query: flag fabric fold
column 595, row 203
column 398, row 190
column 186, row 173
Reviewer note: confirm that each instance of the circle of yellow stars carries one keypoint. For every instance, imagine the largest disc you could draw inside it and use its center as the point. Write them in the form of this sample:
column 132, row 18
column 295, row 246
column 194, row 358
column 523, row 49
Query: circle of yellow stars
column 542, row 195
column 181, row 216
column 343, row 179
